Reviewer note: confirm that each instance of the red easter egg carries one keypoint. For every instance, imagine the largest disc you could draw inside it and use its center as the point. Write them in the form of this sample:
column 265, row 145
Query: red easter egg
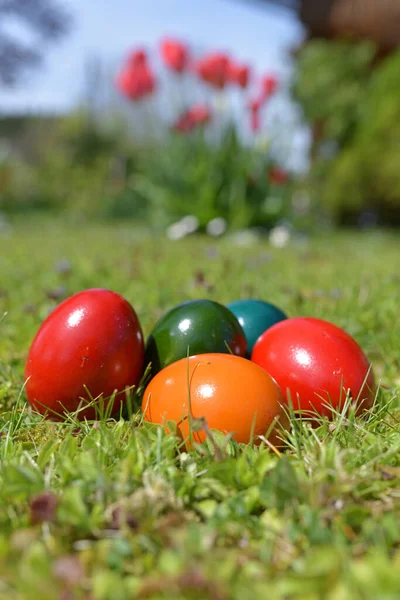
column 315, row 363
column 92, row 340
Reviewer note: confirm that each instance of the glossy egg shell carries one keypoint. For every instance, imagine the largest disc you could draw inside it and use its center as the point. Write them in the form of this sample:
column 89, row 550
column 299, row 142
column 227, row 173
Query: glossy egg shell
column 255, row 317
column 231, row 393
column 194, row 327
column 92, row 339
column 315, row 363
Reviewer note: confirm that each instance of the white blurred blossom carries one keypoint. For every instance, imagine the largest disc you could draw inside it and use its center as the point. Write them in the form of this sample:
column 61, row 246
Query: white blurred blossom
column 279, row 236
column 182, row 228
column 216, row 226
column 245, row 237
column 191, row 223
column 176, row 231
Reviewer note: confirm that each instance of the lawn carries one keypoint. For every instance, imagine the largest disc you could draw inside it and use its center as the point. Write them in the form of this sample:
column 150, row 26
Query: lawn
column 112, row 510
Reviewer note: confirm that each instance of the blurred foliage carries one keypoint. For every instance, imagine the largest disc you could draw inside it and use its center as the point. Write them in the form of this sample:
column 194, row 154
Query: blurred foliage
column 44, row 20
column 332, row 78
column 93, row 171
column 73, row 168
column 351, row 98
column 208, row 180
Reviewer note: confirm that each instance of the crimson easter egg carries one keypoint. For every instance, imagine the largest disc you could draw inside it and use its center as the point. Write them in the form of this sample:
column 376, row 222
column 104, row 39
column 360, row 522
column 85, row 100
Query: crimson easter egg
column 91, row 340
column 315, row 363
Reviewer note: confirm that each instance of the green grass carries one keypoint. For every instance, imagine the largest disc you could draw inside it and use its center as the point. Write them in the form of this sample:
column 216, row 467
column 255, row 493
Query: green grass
column 112, row 510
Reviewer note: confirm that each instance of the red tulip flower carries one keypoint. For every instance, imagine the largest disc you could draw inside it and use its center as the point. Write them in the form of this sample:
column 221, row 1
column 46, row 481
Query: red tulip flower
column 183, row 124
column 278, row 176
column 255, row 121
column 137, row 58
column 175, row 55
column 269, row 86
column 213, row 69
column 197, row 115
column 239, row 74
column 255, row 104
column 254, row 108
column 136, row 82
column 200, row 114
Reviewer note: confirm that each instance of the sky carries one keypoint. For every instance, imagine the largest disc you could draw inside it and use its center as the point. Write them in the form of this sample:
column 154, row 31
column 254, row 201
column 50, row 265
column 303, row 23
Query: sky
column 106, row 29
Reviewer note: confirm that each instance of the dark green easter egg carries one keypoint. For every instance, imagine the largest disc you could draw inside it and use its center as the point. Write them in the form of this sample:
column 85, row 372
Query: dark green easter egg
column 194, row 327
column 255, row 316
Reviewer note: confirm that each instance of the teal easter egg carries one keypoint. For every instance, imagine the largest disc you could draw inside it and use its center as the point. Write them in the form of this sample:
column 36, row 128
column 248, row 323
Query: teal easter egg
column 255, row 316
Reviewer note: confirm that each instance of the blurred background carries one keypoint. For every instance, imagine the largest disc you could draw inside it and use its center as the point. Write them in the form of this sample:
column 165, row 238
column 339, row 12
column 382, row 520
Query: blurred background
column 233, row 115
